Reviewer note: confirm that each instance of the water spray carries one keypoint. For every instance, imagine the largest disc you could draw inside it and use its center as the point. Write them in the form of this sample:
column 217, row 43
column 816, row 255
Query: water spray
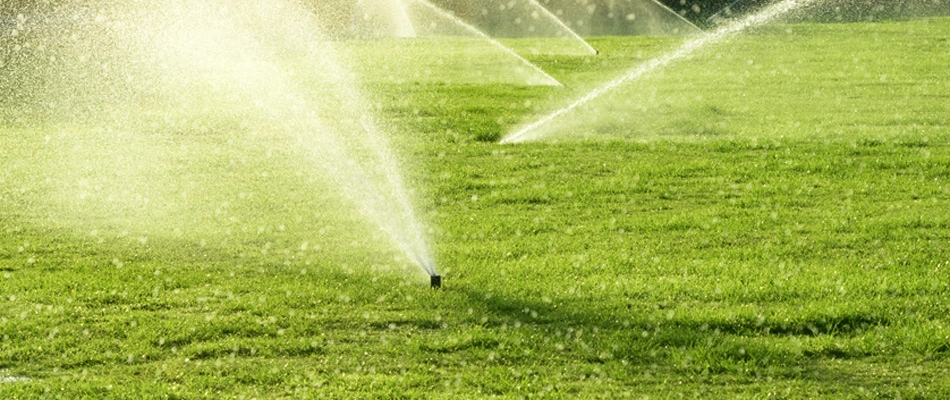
column 678, row 15
column 547, row 79
column 768, row 14
column 561, row 24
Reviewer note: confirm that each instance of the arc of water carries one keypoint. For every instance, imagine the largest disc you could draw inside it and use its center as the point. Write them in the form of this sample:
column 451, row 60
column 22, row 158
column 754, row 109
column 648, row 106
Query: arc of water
column 549, row 80
column 529, row 132
column 404, row 25
column 414, row 245
column 383, row 199
column 678, row 15
column 560, row 23
column 334, row 126
column 376, row 187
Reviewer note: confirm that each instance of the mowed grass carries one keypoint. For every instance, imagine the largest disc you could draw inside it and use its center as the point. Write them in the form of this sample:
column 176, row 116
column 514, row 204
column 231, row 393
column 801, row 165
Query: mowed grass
column 775, row 248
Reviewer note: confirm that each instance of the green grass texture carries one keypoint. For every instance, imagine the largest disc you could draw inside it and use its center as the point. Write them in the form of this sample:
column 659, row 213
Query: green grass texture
column 767, row 218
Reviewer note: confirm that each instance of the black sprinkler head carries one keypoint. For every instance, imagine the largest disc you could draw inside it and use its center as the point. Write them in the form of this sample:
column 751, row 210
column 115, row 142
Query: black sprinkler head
column 435, row 281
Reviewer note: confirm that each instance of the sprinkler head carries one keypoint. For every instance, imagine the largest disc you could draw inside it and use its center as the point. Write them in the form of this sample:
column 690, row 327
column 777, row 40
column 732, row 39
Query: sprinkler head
column 435, row 281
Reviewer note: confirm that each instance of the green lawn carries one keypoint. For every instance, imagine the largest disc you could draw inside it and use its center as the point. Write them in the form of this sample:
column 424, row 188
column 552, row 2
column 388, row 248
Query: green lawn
column 773, row 228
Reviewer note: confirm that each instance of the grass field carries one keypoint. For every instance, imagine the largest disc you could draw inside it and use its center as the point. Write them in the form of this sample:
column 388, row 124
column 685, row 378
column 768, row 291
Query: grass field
column 769, row 221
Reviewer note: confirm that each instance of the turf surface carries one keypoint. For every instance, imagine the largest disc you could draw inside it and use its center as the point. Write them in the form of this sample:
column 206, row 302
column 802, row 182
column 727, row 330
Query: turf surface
column 763, row 233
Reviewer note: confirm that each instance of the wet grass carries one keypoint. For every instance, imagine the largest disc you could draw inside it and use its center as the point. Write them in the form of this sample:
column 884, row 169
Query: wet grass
column 769, row 260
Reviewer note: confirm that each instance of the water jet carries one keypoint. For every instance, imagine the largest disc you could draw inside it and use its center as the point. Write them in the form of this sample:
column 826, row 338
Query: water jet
column 620, row 18
column 522, row 19
column 206, row 121
column 458, row 26
column 533, row 131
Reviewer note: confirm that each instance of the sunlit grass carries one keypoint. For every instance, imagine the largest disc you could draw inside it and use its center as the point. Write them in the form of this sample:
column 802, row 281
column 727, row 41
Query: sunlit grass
column 881, row 80
column 728, row 252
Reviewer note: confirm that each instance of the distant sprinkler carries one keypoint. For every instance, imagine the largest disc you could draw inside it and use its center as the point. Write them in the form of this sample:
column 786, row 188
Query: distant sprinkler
column 435, row 281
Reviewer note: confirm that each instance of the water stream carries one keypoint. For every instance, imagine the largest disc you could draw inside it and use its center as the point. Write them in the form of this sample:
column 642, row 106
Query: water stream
column 535, row 131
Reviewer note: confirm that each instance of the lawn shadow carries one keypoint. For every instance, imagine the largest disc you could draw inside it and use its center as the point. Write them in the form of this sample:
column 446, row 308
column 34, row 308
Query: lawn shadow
column 653, row 336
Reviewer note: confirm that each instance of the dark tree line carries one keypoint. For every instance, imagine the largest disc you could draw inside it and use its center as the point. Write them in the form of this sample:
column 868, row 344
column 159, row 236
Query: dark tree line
column 701, row 12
